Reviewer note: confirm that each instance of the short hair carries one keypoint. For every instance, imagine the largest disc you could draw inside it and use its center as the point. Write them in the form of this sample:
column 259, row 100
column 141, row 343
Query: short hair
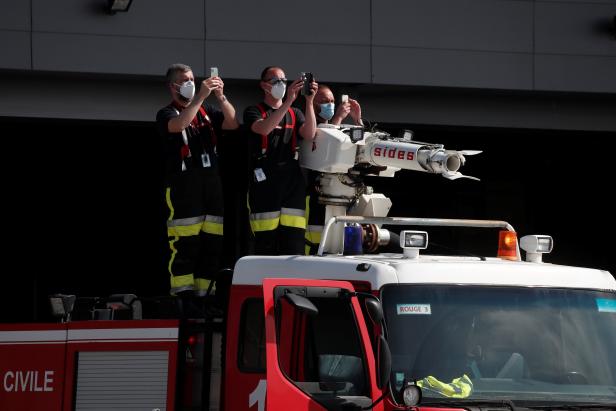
column 268, row 68
column 323, row 87
column 174, row 70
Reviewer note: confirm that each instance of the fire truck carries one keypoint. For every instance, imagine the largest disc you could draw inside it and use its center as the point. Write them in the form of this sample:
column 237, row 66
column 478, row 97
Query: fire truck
column 371, row 322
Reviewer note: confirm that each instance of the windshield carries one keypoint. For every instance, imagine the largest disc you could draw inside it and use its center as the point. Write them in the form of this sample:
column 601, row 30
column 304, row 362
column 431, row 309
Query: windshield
column 520, row 343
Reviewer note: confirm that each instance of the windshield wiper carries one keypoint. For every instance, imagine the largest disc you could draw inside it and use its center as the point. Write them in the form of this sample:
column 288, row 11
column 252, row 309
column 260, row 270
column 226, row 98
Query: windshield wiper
column 470, row 403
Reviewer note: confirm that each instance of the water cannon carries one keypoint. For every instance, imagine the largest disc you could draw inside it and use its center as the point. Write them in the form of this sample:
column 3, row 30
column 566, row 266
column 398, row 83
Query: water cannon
column 343, row 155
column 380, row 149
column 337, row 150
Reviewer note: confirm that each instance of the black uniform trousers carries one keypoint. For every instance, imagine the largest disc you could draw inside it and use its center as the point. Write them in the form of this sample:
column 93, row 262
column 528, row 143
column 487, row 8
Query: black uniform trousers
column 277, row 210
column 315, row 214
column 194, row 228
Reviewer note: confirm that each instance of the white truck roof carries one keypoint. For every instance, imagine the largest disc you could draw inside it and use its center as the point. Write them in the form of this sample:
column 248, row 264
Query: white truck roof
column 394, row 269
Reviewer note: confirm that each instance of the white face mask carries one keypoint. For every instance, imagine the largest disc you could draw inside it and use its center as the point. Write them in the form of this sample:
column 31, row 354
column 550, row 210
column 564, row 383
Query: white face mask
column 187, row 89
column 278, row 90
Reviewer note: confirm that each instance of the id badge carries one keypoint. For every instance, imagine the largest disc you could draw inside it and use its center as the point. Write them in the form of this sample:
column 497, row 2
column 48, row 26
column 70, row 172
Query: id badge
column 205, row 160
column 259, row 175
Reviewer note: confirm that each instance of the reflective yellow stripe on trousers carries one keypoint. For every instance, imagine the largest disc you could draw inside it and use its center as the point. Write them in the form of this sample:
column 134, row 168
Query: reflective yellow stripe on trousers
column 201, row 286
column 293, row 217
column 313, row 237
column 182, row 283
column 264, row 221
column 179, row 228
column 213, row 225
column 313, row 233
column 185, row 227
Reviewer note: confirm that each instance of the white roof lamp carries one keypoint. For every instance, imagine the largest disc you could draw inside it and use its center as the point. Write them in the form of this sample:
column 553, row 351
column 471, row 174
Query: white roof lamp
column 413, row 241
column 535, row 246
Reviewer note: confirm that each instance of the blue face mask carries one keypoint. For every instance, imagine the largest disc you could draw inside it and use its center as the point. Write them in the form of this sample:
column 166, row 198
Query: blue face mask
column 327, row 111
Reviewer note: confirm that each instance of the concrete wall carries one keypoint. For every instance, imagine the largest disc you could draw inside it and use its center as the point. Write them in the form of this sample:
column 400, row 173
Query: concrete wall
column 131, row 99
column 422, row 47
column 564, row 45
column 15, row 35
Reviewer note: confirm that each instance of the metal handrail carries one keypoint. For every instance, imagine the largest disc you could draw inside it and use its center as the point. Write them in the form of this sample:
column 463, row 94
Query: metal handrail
column 434, row 222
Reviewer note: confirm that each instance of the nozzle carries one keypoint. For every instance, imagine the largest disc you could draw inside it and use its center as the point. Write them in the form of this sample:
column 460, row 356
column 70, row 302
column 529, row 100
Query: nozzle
column 447, row 163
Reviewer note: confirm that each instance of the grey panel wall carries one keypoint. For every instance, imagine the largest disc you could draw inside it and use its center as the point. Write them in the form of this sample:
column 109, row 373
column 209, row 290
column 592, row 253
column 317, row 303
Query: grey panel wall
column 15, row 15
column 146, row 18
column 99, row 98
column 552, row 45
column 451, row 68
column 111, row 54
column 392, row 104
column 575, row 28
column 244, row 37
column 77, row 35
column 453, row 43
column 329, row 63
column 522, row 45
column 318, row 22
column 15, row 50
column 581, row 1
column 576, row 73
column 487, row 25
column 70, row 97
column 15, row 35
column 575, row 45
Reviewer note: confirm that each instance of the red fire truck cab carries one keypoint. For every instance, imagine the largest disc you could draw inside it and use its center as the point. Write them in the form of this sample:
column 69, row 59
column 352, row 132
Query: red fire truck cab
column 300, row 343
column 342, row 332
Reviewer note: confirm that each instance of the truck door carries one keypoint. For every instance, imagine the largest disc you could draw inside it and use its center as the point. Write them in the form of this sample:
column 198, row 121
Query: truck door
column 318, row 349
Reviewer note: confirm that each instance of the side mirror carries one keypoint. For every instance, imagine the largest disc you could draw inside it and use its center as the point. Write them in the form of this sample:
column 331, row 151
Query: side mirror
column 384, row 363
column 302, row 304
column 375, row 310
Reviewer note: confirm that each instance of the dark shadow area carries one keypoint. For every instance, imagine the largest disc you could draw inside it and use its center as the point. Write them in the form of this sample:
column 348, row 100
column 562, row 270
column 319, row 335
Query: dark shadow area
column 84, row 211
column 542, row 182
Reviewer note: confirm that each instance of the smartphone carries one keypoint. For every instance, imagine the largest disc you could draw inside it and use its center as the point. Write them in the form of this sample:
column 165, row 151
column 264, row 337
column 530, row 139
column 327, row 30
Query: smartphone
column 213, row 71
column 344, row 98
column 308, row 78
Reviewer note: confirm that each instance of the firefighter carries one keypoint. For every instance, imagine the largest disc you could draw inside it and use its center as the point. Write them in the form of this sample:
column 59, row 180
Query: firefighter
column 277, row 190
column 326, row 112
column 190, row 129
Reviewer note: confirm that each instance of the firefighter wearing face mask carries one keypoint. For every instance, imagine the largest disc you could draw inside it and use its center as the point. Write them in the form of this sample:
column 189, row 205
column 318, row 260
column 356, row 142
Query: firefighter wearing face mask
column 326, row 112
column 277, row 189
column 190, row 129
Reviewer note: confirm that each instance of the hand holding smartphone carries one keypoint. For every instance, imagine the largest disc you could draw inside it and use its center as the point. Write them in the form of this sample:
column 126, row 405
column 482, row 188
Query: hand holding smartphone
column 344, row 98
column 213, row 71
column 306, row 87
